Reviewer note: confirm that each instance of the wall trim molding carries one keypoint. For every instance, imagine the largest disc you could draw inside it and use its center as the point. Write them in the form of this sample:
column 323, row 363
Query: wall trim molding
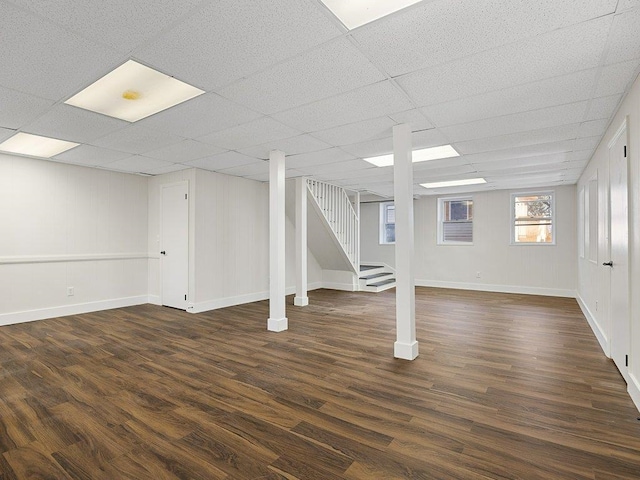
column 75, row 309
column 484, row 287
column 595, row 326
column 347, row 287
column 86, row 257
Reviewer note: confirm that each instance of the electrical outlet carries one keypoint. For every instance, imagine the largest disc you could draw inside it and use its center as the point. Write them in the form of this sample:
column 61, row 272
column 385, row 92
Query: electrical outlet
column 69, row 291
column 477, row 274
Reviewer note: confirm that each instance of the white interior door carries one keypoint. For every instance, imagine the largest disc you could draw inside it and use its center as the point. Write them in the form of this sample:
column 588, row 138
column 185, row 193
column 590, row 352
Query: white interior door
column 619, row 244
column 174, row 245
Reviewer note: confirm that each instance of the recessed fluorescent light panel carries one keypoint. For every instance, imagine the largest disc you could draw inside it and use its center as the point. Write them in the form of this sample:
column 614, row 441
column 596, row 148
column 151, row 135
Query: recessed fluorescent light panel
column 423, row 155
column 132, row 92
column 355, row 13
column 455, row 183
column 35, row 145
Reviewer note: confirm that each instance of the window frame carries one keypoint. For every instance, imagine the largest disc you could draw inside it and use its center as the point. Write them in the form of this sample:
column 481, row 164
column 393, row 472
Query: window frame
column 554, row 215
column 440, row 218
column 382, row 238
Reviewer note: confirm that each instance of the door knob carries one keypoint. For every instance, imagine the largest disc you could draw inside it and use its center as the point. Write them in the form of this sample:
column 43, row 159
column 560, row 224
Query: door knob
column 608, row 264
column 163, row 252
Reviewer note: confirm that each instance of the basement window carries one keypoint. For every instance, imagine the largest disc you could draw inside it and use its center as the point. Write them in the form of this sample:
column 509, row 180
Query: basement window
column 533, row 218
column 455, row 221
column 387, row 223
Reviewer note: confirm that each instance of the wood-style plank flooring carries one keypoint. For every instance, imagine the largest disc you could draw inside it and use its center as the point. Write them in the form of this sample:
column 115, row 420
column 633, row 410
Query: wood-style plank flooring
column 506, row 386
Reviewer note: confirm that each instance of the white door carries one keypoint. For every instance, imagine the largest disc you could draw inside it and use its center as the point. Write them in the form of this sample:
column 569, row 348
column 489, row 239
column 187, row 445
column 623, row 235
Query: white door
column 174, row 245
column 619, row 246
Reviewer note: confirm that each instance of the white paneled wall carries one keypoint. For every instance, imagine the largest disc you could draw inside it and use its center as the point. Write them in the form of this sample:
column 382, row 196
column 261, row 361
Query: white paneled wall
column 68, row 226
column 593, row 278
column 229, row 240
column 536, row 269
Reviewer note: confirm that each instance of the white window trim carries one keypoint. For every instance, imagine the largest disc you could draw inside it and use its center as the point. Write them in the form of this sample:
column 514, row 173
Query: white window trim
column 381, row 224
column 440, row 230
column 512, row 217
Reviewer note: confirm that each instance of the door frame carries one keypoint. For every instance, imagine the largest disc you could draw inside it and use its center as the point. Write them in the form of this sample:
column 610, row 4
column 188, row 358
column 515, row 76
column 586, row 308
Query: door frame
column 189, row 241
column 622, row 129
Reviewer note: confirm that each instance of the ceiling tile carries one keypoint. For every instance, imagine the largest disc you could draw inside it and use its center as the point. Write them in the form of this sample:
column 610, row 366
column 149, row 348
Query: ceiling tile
column 625, row 40
column 328, row 70
column 256, row 132
column 230, row 39
column 554, row 158
column 593, row 128
column 347, row 108
column 31, row 65
column 557, row 53
column 184, row 151
column 19, row 108
column 137, row 164
column 602, row 107
column 174, row 167
column 357, row 132
column 344, row 166
column 221, row 161
column 520, row 139
column 259, row 167
column 290, row 146
column 518, row 122
column 122, row 24
column 615, row 78
column 6, row 133
column 383, row 146
column 137, row 139
column 587, row 143
column 461, row 28
column 200, row 116
column 532, row 96
column 626, row 4
column 316, row 158
column 414, row 117
column 74, row 124
column 91, row 156
column 518, row 152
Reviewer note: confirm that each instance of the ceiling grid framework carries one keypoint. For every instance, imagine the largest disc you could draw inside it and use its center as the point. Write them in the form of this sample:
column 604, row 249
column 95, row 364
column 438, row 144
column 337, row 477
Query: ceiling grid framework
column 523, row 90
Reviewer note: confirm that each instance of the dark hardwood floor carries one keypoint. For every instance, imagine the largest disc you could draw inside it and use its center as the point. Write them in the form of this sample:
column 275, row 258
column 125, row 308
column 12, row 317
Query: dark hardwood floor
column 506, row 386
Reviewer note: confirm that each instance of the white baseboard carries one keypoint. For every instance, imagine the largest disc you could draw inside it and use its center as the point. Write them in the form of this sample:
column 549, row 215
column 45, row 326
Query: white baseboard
column 241, row 299
column 154, row 300
column 593, row 323
column 484, row 287
column 64, row 310
column 633, row 387
column 347, row 287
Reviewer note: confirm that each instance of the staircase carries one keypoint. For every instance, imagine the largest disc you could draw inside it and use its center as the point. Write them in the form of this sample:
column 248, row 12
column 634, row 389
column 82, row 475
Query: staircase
column 341, row 217
column 376, row 278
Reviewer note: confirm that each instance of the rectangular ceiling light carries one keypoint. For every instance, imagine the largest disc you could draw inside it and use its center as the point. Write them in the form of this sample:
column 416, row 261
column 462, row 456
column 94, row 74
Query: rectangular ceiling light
column 132, row 92
column 35, row 145
column 455, row 183
column 422, row 155
column 355, row 13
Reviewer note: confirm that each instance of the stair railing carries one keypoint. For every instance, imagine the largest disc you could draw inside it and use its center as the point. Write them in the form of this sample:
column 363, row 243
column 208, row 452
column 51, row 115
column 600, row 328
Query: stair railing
column 340, row 215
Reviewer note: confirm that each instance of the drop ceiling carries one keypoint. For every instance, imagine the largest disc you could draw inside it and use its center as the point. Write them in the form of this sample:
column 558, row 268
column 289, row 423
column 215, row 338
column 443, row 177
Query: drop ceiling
column 522, row 90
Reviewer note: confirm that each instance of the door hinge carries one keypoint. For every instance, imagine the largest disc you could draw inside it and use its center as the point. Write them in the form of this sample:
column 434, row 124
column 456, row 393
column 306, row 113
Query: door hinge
column 185, row 297
column 626, row 360
column 185, row 195
column 625, row 151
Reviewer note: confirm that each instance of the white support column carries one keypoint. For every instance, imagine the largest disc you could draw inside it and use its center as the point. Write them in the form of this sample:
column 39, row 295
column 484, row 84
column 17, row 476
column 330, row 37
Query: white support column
column 406, row 346
column 277, row 321
column 301, row 299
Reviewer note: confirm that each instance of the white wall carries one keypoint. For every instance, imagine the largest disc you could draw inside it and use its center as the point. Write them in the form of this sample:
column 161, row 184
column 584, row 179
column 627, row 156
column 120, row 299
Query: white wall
column 536, row 269
column 593, row 279
column 229, row 240
column 69, row 226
